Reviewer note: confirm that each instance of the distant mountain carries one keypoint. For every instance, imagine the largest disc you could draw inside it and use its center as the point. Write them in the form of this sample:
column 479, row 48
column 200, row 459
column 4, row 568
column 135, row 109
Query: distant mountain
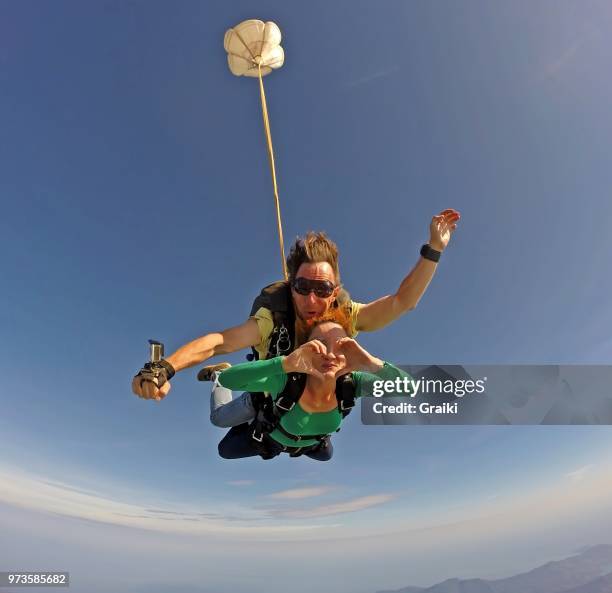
column 600, row 585
column 405, row 590
column 590, row 571
column 462, row 586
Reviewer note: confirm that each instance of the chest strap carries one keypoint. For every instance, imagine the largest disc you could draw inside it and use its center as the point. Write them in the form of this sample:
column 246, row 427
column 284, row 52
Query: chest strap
column 269, row 411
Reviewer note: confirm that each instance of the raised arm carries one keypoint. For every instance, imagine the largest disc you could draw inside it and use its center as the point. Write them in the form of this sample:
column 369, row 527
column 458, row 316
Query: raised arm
column 385, row 310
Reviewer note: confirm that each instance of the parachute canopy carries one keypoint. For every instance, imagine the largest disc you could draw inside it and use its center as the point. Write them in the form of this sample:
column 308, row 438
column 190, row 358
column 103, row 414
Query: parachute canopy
column 253, row 43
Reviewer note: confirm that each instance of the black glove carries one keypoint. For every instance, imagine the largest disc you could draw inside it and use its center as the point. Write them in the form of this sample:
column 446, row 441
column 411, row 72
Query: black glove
column 156, row 372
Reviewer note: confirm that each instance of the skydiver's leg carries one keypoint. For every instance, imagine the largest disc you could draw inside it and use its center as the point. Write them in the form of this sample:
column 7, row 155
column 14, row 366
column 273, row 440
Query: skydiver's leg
column 323, row 452
column 225, row 411
column 238, row 443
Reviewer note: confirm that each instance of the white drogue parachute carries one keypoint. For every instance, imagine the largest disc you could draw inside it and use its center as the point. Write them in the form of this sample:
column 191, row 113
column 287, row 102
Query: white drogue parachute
column 252, row 45
column 253, row 49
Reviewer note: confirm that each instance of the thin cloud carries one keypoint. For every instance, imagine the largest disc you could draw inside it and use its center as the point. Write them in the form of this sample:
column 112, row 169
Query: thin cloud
column 44, row 495
column 373, row 76
column 568, row 55
column 580, row 473
column 348, row 506
column 565, row 58
column 240, row 483
column 300, row 493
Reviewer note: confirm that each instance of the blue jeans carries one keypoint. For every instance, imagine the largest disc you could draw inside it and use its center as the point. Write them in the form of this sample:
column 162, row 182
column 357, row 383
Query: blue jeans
column 225, row 411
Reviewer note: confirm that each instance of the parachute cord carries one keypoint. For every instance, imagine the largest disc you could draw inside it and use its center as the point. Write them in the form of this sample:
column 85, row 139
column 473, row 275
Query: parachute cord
column 266, row 121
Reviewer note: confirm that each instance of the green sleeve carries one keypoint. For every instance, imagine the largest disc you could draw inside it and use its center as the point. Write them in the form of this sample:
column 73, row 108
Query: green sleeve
column 365, row 381
column 259, row 375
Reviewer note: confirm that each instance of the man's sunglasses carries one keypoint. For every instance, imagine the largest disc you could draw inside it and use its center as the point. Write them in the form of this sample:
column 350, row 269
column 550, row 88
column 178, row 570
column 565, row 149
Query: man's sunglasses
column 322, row 288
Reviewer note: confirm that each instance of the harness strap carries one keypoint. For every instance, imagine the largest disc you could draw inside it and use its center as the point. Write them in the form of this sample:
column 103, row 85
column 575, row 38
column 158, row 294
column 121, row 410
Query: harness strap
column 300, row 437
column 345, row 394
column 270, row 412
column 266, row 447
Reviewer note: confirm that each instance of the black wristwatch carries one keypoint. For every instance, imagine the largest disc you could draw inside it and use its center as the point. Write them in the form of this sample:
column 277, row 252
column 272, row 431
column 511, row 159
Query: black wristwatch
column 430, row 253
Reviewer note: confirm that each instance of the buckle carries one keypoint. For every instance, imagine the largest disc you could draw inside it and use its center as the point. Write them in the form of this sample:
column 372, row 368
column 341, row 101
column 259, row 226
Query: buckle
column 283, row 342
column 261, row 435
column 282, row 408
column 343, row 407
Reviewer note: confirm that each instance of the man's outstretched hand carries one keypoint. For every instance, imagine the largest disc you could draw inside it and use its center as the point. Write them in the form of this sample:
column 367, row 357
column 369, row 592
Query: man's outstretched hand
column 442, row 227
column 149, row 385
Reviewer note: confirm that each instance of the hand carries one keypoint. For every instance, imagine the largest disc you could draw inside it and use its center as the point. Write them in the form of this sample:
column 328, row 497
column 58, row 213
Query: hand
column 357, row 357
column 442, row 227
column 308, row 358
column 149, row 384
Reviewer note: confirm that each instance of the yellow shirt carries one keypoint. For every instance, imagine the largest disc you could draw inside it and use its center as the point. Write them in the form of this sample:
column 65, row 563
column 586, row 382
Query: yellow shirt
column 263, row 317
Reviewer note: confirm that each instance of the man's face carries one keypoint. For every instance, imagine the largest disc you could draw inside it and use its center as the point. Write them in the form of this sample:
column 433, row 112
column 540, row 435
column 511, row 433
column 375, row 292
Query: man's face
column 310, row 305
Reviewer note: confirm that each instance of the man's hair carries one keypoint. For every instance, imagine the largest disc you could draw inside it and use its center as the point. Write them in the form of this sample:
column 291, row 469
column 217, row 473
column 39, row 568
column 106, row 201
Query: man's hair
column 314, row 248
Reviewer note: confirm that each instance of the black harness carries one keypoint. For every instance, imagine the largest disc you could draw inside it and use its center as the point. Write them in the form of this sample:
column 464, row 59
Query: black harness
column 277, row 299
column 269, row 412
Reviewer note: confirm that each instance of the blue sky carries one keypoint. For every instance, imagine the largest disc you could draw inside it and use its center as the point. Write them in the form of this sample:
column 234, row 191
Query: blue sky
column 137, row 204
